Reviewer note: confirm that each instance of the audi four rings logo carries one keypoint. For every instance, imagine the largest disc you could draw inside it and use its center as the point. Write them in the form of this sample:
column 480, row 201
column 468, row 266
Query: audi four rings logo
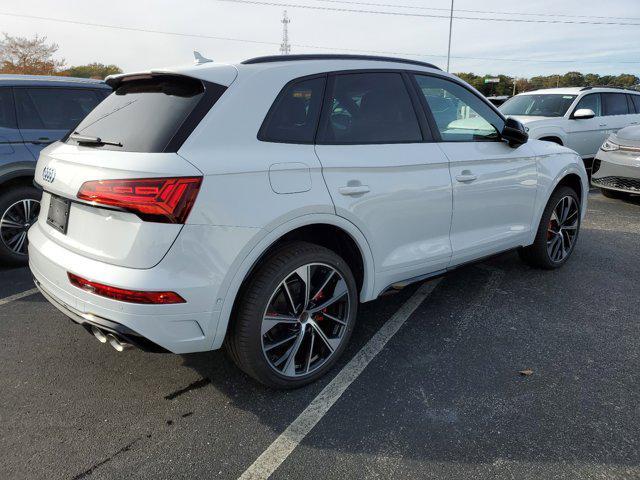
column 49, row 174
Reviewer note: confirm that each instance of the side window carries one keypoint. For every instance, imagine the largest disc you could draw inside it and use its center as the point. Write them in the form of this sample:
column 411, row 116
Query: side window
column 632, row 107
column 293, row 118
column 592, row 102
column 636, row 102
column 53, row 108
column 615, row 104
column 367, row 108
column 459, row 114
column 7, row 111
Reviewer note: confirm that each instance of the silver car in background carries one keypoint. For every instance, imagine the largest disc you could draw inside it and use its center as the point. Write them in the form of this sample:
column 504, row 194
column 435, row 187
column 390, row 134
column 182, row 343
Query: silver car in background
column 616, row 169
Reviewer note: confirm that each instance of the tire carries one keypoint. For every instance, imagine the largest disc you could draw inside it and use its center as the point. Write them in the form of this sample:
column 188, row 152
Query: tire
column 257, row 339
column 15, row 221
column 554, row 242
column 614, row 194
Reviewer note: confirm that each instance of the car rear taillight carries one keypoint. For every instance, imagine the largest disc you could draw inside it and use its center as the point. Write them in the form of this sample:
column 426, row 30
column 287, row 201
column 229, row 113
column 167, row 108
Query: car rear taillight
column 124, row 295
column 165, row 200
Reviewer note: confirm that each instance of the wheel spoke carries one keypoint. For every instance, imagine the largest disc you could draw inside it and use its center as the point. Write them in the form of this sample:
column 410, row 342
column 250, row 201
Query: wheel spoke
column 313, row 337
column 335, row 319
column 270, row 321
column 287, row 294
column 304, row 273
column 290, row 365
column 331, row 343
column 271, row 346
column 339, row 291
column 324, row 284
column 26, row 206
column 6, row 223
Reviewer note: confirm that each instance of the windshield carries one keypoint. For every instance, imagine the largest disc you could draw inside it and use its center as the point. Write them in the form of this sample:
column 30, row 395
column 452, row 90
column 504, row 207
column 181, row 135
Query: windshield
column 543, row 105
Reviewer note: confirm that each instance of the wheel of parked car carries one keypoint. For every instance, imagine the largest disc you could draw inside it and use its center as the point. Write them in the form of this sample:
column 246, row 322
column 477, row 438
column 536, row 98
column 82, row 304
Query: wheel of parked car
column 557, row 233
column 295, row 317
column 613, row 193
column 19, row 208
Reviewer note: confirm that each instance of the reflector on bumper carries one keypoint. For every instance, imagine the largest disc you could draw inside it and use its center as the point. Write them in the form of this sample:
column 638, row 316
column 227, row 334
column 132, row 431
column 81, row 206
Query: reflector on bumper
column 124, row 295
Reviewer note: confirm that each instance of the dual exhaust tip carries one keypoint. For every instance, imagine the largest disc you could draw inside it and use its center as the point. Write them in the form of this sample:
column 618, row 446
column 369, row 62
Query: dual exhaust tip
column 103, row 337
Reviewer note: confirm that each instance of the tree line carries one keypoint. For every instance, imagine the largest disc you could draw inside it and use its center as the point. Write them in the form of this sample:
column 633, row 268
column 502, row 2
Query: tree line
column 35, row 56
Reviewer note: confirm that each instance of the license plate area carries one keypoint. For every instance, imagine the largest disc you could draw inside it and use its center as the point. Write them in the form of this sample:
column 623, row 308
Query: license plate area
column 58, row 214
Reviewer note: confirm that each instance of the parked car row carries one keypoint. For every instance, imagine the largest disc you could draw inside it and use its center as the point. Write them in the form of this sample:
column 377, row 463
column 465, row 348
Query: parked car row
column 35, row 111
column 580, row 118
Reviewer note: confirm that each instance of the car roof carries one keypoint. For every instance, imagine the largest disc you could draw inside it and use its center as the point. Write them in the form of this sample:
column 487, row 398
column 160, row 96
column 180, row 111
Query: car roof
column 49, row 80
column 576, row 90
column 297, row 65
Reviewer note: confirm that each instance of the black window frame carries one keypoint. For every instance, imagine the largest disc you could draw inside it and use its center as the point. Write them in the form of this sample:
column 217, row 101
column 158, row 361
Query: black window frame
column 425, row 131
column 579, row 99
column 604, row 104
column 432, row 121
column 630, row 105
column 274, row 106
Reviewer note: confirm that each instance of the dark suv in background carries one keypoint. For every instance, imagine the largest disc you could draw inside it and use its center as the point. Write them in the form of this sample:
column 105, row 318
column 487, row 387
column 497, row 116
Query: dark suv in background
column 34, row 112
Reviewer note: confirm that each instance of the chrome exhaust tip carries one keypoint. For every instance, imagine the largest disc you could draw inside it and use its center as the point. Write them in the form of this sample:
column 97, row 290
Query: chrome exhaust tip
column 99, row 334
column 118, row 344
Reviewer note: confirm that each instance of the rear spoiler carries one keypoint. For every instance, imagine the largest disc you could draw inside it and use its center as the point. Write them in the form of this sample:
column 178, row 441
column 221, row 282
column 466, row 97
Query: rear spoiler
column 220, row 73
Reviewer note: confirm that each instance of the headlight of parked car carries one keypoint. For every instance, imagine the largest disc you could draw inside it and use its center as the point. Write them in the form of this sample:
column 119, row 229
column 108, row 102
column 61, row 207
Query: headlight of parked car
column 609, row 146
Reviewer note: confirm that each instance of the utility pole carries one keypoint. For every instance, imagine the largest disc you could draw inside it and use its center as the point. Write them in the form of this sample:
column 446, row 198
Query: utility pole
column 285, row 48
column 450, row 29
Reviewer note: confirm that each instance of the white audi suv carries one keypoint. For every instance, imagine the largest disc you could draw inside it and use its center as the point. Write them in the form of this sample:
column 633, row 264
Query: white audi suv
column 255, row 205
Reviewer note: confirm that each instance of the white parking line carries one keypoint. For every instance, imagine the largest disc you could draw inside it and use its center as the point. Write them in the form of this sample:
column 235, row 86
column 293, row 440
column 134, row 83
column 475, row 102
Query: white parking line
column 281, row 448
column 17, row 296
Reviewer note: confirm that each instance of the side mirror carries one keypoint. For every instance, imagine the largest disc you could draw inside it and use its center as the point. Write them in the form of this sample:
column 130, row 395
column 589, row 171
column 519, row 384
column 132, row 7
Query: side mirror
column 583, row 114
column 514, row 132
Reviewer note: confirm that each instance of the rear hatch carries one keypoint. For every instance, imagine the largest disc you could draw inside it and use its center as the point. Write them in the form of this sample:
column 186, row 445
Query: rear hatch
column 115, row 189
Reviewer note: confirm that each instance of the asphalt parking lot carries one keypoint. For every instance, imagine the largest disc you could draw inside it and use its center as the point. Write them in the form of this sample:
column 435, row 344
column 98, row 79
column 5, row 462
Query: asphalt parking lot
column 442, row 399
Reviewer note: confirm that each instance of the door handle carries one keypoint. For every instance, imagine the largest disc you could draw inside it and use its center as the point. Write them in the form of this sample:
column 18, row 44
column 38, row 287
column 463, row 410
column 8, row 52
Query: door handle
column 466, row 176
column 42, row 141
column 602, row 125
column 354, row 190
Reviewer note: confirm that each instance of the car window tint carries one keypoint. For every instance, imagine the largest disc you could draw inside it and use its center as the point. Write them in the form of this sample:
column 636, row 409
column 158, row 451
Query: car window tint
column 592, row 102
column 7, row 112
column 294, row 116
column 53, row 108
column 460, row 115
column 367, row 108
column 615, row 104
column 636, row 102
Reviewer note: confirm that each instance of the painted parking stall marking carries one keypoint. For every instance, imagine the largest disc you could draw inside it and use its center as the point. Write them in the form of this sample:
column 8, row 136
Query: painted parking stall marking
column 17, row 296
column 287, row 441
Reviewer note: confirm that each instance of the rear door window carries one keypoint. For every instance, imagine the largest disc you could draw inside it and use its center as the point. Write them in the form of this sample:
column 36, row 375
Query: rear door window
column 294, row 116
column 615, row 104
column 365, row 108
column 636, row 101
column 53, row 108
column 150, row 114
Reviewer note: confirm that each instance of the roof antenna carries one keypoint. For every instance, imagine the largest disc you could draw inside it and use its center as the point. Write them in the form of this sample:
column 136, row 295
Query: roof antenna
column 200, row 59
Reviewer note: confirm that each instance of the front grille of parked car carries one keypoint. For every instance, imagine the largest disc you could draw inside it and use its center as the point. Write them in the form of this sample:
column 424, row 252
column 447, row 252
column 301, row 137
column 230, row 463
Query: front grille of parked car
column 618, row 182
column 595, row 166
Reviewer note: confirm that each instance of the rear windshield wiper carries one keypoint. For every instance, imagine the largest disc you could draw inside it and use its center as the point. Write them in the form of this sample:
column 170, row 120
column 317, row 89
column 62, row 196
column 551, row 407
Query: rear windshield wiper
column 85, row 140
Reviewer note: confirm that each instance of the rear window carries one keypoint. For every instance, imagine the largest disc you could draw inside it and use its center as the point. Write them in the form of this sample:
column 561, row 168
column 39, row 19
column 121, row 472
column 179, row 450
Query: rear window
column 150, row 114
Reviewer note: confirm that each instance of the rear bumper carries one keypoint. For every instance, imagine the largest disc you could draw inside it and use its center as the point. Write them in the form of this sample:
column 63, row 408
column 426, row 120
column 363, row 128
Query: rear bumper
column 618, row 170
column 186, row 269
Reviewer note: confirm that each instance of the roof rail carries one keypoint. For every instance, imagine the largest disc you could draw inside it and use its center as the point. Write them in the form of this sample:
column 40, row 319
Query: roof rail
column 330, row 56
column 608, row 86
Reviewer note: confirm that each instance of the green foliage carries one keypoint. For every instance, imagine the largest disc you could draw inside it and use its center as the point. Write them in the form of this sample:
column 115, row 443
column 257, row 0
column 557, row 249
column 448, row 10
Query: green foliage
column 92, row 70
column 569, row 79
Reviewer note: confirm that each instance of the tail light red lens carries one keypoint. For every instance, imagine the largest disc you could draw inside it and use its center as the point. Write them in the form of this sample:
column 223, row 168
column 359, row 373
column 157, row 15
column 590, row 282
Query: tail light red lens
column 124, row 295
column 165, row 200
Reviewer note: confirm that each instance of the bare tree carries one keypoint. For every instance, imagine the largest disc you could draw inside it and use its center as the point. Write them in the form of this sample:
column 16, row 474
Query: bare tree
column 29, row 56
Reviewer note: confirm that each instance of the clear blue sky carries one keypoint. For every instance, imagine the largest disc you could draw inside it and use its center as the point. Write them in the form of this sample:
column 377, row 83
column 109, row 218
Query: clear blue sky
column 589, row 48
